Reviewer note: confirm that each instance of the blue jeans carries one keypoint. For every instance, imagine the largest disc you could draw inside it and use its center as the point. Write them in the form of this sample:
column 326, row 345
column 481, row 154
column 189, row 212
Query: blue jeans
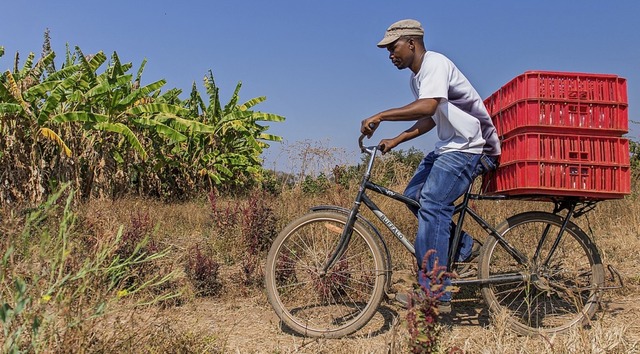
column 438, row 182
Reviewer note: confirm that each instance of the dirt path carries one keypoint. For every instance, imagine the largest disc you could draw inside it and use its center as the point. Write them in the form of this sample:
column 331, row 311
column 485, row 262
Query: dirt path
column 249, row 325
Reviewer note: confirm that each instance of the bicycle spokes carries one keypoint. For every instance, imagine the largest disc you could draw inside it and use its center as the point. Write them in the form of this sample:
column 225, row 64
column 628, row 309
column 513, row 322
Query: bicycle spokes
column 561, row 280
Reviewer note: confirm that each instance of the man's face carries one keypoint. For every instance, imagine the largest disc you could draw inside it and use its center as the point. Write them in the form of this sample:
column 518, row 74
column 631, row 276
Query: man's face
column 401, row 53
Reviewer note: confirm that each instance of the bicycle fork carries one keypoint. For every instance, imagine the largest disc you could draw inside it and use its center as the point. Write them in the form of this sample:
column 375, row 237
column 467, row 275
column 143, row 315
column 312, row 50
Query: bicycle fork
column 345, row 237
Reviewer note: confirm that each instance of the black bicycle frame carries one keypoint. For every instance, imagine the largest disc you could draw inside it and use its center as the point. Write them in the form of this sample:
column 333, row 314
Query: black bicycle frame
column 462, row 209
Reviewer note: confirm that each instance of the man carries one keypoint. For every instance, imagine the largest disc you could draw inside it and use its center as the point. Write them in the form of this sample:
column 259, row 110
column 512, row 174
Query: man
column 468, row 143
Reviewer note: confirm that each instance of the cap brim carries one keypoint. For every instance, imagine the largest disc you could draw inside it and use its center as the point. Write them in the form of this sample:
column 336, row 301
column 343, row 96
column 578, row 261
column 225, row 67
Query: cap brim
column 387, row 40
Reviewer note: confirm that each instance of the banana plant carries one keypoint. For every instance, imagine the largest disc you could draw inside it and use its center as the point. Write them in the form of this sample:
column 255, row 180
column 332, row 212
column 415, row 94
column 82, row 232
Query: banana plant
column 23, row 96
column 108, row 123
column 232, row 149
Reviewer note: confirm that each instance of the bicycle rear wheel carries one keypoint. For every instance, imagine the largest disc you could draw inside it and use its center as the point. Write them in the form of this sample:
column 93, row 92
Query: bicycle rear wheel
column 329, row 305
column 560, row 290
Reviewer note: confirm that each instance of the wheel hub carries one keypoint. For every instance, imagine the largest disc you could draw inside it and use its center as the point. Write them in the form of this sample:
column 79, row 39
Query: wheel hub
column 541, row 283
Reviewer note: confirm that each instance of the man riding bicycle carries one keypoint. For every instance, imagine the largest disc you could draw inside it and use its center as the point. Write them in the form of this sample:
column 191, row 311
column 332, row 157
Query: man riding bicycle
column 468, row 142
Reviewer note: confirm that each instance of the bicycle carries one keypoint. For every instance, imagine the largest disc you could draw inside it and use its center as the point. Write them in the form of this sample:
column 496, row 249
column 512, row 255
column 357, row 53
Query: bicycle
column 328, row 271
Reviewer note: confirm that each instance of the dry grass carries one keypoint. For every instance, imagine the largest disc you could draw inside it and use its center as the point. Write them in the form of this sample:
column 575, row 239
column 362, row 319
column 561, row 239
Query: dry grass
column 249, row 325
column 240, row 319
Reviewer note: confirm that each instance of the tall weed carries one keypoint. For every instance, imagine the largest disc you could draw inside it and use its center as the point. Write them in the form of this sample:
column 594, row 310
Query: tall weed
column 423, row 317
column 258, row 230
column 57, row 296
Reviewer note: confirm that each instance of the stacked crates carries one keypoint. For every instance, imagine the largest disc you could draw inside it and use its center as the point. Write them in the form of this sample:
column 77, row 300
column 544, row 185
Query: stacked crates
column 561, row 136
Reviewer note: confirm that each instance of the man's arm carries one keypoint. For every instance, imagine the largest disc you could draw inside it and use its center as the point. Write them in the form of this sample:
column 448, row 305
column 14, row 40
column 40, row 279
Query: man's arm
column 420, row 127
column 420, row 108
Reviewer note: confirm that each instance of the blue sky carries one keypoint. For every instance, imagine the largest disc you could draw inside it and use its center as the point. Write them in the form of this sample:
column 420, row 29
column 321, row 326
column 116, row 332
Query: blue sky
column 317, row 61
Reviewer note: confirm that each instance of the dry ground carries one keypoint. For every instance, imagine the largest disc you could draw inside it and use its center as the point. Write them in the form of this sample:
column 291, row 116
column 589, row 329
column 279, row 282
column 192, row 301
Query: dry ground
column 247, row 324
column 241, row 320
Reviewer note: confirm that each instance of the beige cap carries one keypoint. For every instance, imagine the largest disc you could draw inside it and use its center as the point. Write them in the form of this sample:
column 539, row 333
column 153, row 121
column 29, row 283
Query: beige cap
column 399, row 29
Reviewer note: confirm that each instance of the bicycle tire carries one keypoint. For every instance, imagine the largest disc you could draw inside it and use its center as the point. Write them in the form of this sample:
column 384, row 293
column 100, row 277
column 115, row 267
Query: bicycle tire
column 553, row 298
column 338, row 303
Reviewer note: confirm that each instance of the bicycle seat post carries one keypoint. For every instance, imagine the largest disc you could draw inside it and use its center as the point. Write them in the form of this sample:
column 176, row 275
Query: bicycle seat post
column 457, row 236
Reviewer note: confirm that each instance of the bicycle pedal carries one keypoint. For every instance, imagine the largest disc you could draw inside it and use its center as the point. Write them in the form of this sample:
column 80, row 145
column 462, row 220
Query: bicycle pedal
column 465, row 269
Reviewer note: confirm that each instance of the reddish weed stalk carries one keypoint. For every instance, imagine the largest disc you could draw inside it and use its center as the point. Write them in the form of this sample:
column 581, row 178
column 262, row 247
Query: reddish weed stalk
column 422, row 317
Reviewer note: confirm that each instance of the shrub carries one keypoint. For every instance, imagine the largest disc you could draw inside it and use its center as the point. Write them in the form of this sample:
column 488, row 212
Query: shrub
column 202, row 271
column 224, row 216
column 316, row 185
column 258, row 231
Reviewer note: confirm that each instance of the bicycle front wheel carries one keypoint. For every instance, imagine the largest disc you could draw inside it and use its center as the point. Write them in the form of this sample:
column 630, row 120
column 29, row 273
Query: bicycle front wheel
column 561, row 285
column 318, row 304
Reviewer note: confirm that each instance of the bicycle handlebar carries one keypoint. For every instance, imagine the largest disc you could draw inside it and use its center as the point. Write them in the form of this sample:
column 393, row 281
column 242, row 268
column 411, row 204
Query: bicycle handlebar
column 368, row 149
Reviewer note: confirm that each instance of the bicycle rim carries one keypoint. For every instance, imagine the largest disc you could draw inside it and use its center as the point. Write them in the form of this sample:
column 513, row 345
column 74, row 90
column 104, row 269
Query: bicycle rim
column 556, row 295
column 334, row 304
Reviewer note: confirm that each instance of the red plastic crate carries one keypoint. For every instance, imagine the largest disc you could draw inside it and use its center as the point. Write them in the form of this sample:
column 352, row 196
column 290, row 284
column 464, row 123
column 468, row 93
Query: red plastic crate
column 562, row 86
column 556, row 116
column 492, row 103
column 547, row 180
column 597, row 150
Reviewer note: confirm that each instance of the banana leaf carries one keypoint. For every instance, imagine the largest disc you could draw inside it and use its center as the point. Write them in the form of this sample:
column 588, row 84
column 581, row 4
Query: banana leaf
column 51, row 135
column 192, row 126
column 83, row 117
column 233, row 101
column 162, row 129
column 123, row 130
column 157, row 108
column 269, row 137
column 10, row 108
column 252, row 102
column 268, row 117
column 40, row 89
column 105, row 86
column 141, row 92
column 56, row 96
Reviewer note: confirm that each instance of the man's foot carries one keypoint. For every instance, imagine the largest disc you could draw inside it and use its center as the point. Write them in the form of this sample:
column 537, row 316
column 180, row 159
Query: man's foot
column 465, row 266
column 444, row 307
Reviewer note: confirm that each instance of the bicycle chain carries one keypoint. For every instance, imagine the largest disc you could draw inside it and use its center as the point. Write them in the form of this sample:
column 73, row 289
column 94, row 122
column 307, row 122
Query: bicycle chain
column 468, row 299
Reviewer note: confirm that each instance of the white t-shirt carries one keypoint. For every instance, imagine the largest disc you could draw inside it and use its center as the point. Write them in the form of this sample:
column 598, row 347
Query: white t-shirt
column 462, row 121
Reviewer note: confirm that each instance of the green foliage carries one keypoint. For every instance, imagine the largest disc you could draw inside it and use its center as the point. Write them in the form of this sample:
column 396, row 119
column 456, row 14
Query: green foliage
column 110, row 134
column 9, row 314
column 409, row 160
column 347, row 175
column 634, row 150
column 315, row 185
column 411, row 157
column 394, row 166
column 272, row 182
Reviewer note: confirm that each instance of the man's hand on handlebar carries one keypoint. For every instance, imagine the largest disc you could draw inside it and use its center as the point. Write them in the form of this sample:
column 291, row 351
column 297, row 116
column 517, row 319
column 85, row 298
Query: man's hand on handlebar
column 386, row 145
column 369, row 125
